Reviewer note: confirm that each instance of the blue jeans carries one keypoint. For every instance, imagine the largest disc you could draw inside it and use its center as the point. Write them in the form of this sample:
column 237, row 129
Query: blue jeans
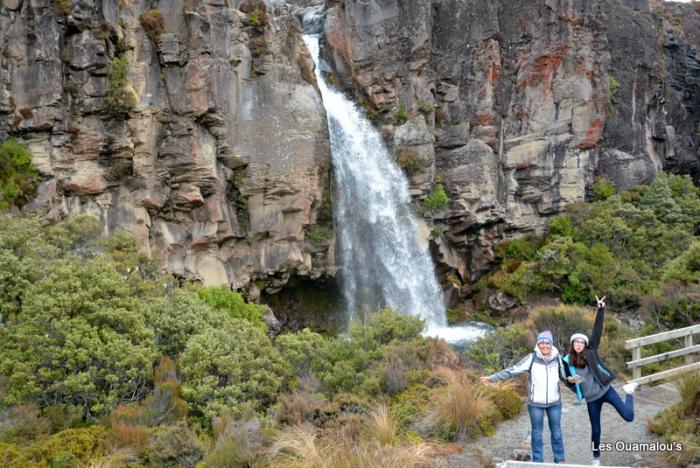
column 537, row 422
column 626, row 410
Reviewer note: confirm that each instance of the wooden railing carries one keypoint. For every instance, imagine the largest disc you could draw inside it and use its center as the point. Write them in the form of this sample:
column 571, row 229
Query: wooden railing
column 687, row 350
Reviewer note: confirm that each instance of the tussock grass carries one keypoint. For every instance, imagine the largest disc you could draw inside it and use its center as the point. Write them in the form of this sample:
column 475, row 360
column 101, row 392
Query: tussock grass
column 377, row 445
column 459, row 405
column 380, row 426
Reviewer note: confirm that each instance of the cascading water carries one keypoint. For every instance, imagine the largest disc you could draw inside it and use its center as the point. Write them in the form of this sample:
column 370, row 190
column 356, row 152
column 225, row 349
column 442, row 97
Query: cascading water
column 384, row 262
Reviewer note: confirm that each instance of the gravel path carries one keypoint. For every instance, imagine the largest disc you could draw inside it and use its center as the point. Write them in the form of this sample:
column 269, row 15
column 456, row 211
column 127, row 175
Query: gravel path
column 512, row 438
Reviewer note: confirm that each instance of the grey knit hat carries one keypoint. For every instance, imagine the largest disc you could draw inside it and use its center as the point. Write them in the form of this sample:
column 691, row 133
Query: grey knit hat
column 578, row 336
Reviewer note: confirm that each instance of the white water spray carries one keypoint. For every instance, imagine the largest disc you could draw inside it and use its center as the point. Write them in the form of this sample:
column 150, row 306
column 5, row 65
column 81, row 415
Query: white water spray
column 384, row 262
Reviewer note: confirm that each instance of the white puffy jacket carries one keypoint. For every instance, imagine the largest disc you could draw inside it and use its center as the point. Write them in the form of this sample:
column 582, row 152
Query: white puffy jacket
column 544, row 374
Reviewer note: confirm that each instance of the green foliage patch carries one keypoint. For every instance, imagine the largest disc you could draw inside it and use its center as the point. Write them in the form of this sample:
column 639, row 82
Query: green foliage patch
column 438, row 199
column 232, row 304
column 622, row 245
column 229, row 367
column 121, row 97
column 18, row 176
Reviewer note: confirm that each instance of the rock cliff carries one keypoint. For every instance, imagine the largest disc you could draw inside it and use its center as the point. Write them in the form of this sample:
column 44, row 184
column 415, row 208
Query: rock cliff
column 515, row 106
column 197, row 126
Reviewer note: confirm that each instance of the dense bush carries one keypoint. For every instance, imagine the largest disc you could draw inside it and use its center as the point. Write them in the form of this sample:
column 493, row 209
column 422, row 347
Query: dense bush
column 175, row 445
column 80, row 339
column 438, row 199
column 224, row 368
column 673, row 305
column 502, row 348
column 18, row 176
column 343, row 364
column 175, row 318
column 121, row 97
column 621, row 245
column 299, row 349
column 230, row 302
column 72, row 447
column 562, row 321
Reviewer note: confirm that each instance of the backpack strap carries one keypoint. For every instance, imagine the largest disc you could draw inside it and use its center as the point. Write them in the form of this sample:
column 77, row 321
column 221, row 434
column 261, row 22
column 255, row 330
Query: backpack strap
column 529, row 369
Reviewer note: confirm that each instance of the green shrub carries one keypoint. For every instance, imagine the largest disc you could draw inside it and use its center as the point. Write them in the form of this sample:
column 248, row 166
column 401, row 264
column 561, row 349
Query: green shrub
column 502, row 348
column 425, row 108
column 614, row 86
column 341, row 366
column 685, row 268
column 408, row 406
column 72, row 447
column 232, row 303
column 561, row 226
column 562, row 321
column 438, row 199
column 521, row 249
column 299, row 349
column 226, row 367
column 318, row 234
column 175, row 445
column 258, row 19
column 674, row 200
column 386, row 326
column 602, row 188
column 79, row 340
column 505, row 400
column 18, row 176
column 179, row 316
column 401, row 116
column 121, row 97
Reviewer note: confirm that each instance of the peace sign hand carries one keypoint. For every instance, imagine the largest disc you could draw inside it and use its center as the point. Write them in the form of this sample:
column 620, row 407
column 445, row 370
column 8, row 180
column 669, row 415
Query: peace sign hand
column 601, row 301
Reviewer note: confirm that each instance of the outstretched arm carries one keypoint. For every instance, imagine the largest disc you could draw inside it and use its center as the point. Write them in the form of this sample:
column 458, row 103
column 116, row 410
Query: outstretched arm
column 598, row 324
column 520, row 368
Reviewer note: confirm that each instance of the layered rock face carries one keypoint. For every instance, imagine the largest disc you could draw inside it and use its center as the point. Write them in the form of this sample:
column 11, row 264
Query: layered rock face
column 195, row 126
column 516, row 105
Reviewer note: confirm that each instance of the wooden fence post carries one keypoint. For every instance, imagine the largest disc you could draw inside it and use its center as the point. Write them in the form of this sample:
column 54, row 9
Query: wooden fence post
column 636, row 354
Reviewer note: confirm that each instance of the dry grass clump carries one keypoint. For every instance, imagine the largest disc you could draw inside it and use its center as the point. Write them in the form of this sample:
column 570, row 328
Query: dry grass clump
column 380, row 426
column 153, row 24
column 459, row 406
column 377, row 444
column 299, row 407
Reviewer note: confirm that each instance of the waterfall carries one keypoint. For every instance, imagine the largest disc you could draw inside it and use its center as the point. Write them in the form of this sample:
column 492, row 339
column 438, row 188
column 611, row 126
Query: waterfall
column 383, row 259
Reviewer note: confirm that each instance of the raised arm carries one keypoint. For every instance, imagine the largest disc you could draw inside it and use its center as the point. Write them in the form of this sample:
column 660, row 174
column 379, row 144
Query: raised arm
column 597, row 333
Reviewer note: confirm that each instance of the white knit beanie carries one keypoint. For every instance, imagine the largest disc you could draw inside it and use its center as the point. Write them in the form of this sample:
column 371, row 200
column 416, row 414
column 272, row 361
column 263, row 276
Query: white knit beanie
column 578, row 336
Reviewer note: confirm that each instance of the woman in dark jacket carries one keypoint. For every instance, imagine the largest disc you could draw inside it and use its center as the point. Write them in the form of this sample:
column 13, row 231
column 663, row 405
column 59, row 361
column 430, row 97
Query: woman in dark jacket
column 592, row 379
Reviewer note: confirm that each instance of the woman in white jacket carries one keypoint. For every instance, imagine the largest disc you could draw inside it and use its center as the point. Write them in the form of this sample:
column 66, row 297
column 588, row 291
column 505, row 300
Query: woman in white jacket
column 545, row 370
